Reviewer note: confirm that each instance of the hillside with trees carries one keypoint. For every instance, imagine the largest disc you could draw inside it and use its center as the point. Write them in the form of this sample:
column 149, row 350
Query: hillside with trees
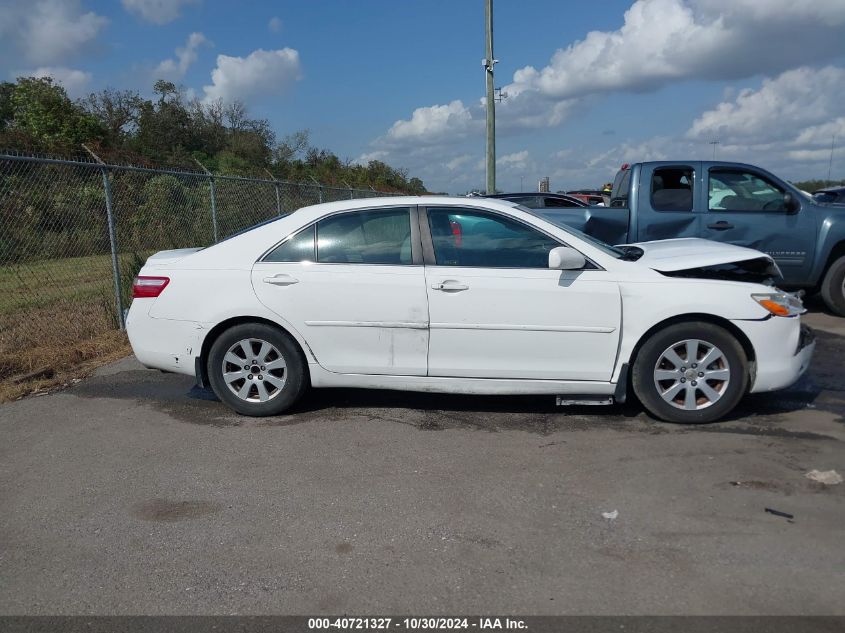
column 171, row 129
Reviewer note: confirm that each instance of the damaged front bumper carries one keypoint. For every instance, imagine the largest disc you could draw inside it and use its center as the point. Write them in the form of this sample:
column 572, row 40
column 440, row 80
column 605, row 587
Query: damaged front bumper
column 783, row 347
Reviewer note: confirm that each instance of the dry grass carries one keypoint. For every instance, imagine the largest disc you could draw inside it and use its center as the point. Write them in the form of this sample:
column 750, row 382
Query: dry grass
column 49, row 346
column 58, row 328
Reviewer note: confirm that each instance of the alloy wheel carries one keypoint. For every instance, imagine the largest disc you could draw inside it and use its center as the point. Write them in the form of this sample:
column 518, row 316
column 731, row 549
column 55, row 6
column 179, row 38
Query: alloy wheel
column 254, row 370
column 692, row 374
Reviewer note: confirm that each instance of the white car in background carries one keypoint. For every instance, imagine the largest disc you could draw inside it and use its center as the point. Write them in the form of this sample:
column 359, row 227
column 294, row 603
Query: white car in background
column 469, row 296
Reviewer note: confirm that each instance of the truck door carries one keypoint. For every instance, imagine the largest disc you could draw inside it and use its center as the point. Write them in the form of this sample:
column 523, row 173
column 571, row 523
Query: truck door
column 666, row 201
column 747, row 207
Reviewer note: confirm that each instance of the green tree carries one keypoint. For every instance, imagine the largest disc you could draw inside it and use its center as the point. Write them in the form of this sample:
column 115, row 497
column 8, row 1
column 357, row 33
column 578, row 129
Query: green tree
column 118, row 112
column 43, row 112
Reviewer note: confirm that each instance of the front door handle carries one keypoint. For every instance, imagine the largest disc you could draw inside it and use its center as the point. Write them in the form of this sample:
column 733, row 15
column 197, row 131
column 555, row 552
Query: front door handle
column 450, row 286
column 721, row 225
column 281, row 279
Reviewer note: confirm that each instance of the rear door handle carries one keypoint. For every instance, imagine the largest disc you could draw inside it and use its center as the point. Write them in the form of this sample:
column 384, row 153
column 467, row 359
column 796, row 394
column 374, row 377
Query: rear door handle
column 721, row 225
column 281, row 279
column 450, row 286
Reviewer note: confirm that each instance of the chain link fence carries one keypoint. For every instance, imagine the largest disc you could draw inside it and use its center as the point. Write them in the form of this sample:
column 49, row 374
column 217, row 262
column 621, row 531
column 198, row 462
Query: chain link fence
column 73, row 234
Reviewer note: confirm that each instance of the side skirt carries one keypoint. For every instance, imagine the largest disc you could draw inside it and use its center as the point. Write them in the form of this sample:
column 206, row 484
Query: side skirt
column 483, row 386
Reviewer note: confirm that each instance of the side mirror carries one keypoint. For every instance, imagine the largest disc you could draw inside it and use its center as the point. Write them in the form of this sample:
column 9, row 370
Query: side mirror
column 790, row 203
column 566, row 258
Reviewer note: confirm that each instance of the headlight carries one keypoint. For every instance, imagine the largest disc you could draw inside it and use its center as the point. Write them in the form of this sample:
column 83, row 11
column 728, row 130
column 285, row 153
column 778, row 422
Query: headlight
column 780, row 303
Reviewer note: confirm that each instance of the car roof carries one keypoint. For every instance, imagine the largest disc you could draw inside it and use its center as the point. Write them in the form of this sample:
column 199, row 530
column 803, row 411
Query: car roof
column 545, row 194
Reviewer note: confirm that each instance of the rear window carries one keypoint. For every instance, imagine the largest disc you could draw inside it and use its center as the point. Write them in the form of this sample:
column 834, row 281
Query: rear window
column 560, row 203
column 621, row 186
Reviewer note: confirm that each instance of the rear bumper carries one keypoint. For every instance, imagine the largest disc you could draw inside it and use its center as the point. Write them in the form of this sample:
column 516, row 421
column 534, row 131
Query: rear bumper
column 784, row 348
column 164, row 344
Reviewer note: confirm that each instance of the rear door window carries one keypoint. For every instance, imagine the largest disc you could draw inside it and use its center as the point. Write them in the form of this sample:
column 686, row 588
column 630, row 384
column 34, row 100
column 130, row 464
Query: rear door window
column 672, row 189
column 378, row 236
column 298, row 248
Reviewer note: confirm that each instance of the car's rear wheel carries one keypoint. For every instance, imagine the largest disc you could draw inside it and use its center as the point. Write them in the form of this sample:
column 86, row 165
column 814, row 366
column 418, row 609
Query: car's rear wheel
column 690, row 373
column 257, row 369
column 833, row 287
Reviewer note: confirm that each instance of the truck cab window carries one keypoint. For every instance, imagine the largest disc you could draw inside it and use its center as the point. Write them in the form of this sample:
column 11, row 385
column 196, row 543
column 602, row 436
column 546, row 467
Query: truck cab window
column 671, row 189
column 737, row 190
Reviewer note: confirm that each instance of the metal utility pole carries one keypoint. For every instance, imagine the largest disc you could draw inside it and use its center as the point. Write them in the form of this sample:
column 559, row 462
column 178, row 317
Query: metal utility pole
column 489, row 62
column 714, row 144
column 115, row 262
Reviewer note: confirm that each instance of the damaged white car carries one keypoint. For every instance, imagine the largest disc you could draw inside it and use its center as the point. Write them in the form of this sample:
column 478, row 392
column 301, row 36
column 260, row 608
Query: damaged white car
column 470, row 296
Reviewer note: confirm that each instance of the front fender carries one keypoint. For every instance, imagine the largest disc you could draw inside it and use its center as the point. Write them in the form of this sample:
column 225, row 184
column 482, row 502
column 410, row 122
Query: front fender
column 645, row 305
column 831, row 240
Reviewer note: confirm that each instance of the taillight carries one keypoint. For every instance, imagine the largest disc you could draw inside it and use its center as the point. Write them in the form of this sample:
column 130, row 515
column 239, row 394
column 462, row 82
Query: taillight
column 148, row 286
column 458, row 232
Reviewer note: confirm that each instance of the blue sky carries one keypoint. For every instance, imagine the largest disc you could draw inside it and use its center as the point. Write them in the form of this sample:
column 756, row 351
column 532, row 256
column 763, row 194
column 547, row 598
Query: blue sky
column 591, row 84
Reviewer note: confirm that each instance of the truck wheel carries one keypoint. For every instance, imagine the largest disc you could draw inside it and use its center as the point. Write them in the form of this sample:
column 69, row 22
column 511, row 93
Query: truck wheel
column 691, row 373
column 257, row 369
column 833, row 287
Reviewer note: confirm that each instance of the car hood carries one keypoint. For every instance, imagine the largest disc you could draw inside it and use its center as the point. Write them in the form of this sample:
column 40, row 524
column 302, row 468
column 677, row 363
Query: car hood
column 669, row 256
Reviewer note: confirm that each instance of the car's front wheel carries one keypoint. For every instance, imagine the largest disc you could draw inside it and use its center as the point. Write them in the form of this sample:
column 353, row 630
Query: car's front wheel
column 833, row 287
column 257, row 369
column 690, row 373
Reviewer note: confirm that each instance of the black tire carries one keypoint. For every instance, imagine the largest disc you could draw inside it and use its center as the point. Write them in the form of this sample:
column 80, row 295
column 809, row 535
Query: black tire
column 294, row 372
column 833, row 287
column 734, row 367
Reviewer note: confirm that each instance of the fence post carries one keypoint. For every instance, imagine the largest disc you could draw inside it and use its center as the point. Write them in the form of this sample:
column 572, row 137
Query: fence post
column 319, row 188
column 351, row 191
column 115, row 262
column 213, row 198
column 278, row 195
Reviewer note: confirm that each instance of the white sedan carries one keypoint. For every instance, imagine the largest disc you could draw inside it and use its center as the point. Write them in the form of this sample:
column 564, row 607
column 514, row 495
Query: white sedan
column 470, row 296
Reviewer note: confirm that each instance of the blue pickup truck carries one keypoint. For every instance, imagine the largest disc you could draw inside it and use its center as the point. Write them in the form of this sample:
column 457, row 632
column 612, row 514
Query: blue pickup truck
column 727, row 202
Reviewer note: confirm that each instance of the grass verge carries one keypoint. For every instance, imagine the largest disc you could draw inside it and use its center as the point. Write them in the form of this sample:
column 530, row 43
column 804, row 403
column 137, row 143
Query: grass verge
column 58, row 321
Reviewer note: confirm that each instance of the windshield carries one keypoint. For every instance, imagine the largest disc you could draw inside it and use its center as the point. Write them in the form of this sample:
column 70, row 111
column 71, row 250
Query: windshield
column 824, row 196
column 618, row 253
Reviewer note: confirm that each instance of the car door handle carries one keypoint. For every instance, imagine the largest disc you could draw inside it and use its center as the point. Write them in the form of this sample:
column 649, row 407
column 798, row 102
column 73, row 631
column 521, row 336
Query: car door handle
column 450, row 286
column 720, row 226
column 281, row 280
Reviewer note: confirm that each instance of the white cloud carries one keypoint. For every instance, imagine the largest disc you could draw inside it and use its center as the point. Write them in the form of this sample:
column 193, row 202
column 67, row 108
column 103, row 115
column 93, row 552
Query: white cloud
column 458, row 162
column 668, row 40
column 260, row 73
column 46, row 31
column 434, row 124
column 185, row 56
column 275, row 24
column 156, row 11
column 514, row 161
column 804, row 106
column 366, row 157
column 75, row 81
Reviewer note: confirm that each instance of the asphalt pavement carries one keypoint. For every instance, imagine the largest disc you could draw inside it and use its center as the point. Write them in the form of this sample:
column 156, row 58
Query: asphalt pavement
column 133, row 492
